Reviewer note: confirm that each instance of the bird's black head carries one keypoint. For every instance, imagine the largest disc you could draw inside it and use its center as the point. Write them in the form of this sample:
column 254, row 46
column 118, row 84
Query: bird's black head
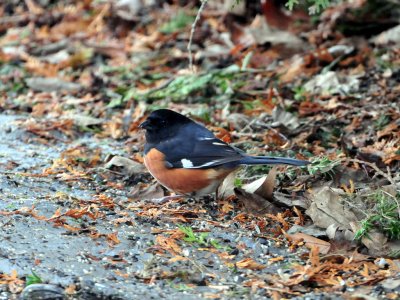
column 162, row 124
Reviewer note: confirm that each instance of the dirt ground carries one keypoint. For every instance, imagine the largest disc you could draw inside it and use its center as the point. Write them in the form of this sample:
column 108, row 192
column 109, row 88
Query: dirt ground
column 97, row 268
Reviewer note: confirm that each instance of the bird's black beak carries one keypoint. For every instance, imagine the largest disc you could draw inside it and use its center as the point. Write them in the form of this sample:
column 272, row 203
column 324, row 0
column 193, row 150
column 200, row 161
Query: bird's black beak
column 144, row 125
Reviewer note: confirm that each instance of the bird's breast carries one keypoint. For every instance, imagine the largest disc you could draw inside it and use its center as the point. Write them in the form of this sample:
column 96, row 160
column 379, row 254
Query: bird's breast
column 192, row 182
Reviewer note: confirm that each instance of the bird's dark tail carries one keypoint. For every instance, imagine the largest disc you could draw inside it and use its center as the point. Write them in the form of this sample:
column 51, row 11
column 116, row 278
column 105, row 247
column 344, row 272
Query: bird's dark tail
column 269, row 160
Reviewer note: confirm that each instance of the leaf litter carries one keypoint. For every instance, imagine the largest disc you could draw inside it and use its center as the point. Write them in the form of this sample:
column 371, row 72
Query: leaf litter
column 77, row 79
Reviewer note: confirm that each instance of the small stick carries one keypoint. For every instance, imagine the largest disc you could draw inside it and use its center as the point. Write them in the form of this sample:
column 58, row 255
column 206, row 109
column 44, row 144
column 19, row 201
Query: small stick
column 189, row 46
column 388, row 175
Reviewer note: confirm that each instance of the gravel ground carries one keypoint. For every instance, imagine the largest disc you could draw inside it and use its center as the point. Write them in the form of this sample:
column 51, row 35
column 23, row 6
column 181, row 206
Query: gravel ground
column 88, row 264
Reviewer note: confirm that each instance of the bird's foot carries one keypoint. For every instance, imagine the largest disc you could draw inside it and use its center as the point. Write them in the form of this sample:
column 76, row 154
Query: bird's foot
column 165, row 199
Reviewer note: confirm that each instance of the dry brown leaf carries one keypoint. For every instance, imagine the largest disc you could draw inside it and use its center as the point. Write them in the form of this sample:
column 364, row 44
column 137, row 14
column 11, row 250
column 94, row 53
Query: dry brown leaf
column 14, row 283
column 390, row 129
column 284, row 118
column 280, row 218
column 226, row 188
column 84, row 211
column 275, row 259
column 227, row 207
column 147, row 192
column 168, row 244
column 261, row 33
column 69, row 27
column 300, row 220
column 309, row 108
column 177, row 258
column 310, row 242
column 127, row 166
column 113, row 238
column 256, row 195
column 264, row 186
column 71, row 228
column 52, row 84
column 70, row 290
column 249, row 263
column 376, row 242
column 284, row 200
column 56, row 214
column 293, row 69
column 328, row 208
column 255, row 204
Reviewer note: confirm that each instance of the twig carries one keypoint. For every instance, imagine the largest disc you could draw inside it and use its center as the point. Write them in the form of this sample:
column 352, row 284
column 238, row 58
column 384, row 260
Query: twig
column 278, row 133
column 388, row 175
column 189, row 46
column 98, row 19
column 248, row 126
column 15, row 19
column 161, row 86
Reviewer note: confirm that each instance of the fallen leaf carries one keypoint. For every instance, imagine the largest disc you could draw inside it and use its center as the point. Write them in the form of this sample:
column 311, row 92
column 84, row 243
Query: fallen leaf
column 328, row 208
column 388, row 37
column 310, row 230
column 263, row 186
column 226, row 188
column 70, row 290
column 285, row 200
column 128, row 167
column 390, row 284
column 375, row 241
column 329, row 83
column 262, row 33
column 128, row 9
column 255, row 204
column 331, row 231
column 249, row 263
column 168, row 244
column 146, row 192
column 284, row 118
column 113, row 238
column 52, row 84
column 275, row 259
column 310, row 241
column 82, row 120
column 177, row 258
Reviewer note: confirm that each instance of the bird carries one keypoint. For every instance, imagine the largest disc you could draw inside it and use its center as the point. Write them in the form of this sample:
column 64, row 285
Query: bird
column 188, row 159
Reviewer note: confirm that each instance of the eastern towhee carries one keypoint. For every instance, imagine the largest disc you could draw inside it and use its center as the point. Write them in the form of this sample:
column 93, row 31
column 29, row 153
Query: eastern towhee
column 188, row 159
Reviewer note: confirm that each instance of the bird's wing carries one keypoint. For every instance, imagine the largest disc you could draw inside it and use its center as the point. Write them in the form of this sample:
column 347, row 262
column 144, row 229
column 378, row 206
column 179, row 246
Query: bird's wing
column 195, row 147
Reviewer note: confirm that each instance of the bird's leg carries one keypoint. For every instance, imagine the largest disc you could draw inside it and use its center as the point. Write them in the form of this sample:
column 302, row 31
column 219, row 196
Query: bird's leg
column 216, row 195
column 165, row 199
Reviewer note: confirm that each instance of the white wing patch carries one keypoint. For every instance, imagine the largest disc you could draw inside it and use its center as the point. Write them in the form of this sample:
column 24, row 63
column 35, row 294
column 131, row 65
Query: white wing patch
column 219, row 144
column 206, row 138
column 186, row 163
column 208, row 164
